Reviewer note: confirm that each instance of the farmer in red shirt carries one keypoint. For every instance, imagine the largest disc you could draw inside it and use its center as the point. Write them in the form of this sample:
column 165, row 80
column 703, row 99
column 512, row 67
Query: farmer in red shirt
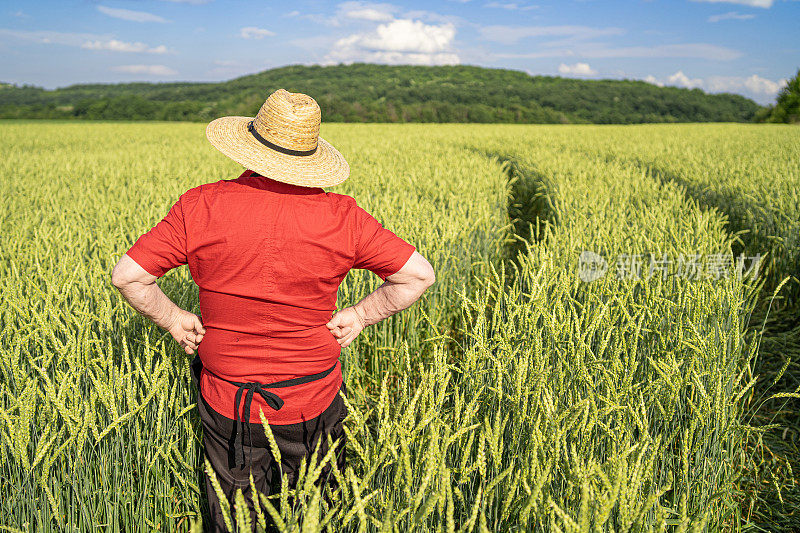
column 268, row 251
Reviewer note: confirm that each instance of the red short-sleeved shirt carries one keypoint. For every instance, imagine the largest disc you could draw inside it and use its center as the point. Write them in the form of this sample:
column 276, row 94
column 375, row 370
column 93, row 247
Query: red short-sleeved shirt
column 268, row 258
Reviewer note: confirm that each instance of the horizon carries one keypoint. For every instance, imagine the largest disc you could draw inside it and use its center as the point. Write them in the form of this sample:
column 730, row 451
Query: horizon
column 741, row 47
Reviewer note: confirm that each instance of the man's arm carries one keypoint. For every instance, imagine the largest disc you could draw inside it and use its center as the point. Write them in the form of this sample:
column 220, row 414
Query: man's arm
column 398, row 292
column 139, row 288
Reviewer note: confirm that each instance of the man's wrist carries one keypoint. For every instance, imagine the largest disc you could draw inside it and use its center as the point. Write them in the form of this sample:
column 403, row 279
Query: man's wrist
column 361, row 317
column 171, row 316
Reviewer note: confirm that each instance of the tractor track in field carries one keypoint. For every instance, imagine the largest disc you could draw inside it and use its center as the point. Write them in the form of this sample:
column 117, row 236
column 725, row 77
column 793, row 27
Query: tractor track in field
column 770, row 479
column 777, row 505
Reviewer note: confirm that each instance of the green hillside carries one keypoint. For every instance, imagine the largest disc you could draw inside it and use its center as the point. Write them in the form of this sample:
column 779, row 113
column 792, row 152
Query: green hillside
column 382, row 93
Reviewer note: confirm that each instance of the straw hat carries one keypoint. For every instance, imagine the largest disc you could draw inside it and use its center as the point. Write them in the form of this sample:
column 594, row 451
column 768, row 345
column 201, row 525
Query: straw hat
column 282, row 142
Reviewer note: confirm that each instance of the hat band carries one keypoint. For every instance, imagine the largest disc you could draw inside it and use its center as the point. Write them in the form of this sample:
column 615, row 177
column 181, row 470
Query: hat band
column 274, row 146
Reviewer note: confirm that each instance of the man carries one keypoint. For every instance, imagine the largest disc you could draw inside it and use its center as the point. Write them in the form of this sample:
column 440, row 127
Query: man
column 268, row 251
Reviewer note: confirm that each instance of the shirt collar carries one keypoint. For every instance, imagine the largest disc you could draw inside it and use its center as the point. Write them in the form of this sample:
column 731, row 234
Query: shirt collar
column 270, row 184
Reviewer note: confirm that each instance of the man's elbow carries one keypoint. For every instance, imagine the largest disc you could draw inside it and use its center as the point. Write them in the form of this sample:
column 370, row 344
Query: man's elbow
column 428, row 277
column 121, row 275
column 117, row 277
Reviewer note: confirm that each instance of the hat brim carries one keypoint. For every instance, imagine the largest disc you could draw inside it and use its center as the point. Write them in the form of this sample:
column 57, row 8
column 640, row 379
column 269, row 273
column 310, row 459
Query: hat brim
column 324, row 168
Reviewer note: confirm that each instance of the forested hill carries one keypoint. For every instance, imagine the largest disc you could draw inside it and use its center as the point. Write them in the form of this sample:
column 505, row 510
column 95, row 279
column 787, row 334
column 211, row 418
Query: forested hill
column 382, row 93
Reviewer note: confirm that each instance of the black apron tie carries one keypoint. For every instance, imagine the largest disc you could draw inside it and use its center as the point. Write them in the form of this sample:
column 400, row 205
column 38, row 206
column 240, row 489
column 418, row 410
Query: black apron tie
column 272, row 399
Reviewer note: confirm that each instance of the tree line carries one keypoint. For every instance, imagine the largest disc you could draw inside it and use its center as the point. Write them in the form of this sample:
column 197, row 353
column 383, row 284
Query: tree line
column 383, row 93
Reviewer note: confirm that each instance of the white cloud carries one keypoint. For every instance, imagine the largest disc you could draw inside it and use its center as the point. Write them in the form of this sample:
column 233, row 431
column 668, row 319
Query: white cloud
column 251, row 32
column 682, row 80
column 401, row 41
column 758, row 85
column 365, row 11
column 195, row 2
column 152, row 70
column 731, row 15
column 404, row 35
column 353, row 11
column 129, row 14
column 360, row 12
column 761, row 89
column 652, row 79
column 578, row 69
column 88, row 41
column 512, row 34
column 511, row 6
column 766, row 4
column 370, row 14
column 114, row 45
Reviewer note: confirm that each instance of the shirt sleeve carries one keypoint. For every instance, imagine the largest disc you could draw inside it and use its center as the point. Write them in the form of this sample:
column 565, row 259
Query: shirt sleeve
column 378, row 249
column 163, row 247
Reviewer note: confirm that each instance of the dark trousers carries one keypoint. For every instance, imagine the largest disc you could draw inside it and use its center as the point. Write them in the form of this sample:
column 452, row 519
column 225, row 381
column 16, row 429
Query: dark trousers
column 295, row 442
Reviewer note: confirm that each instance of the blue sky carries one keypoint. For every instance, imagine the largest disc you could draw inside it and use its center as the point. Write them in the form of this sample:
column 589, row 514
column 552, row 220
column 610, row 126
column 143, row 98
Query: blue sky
column 744, row 46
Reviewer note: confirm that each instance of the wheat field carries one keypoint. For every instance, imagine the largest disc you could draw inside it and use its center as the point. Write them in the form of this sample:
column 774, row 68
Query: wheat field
column 514, row 396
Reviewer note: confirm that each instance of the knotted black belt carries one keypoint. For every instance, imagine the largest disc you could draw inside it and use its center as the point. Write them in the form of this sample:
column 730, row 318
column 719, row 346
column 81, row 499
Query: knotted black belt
column 272, row 399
